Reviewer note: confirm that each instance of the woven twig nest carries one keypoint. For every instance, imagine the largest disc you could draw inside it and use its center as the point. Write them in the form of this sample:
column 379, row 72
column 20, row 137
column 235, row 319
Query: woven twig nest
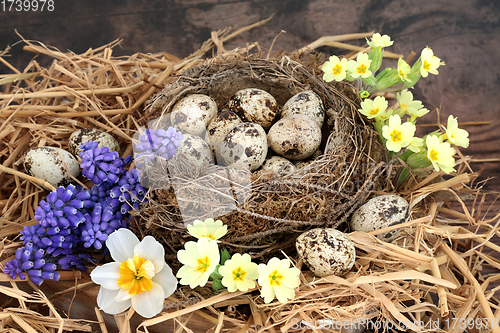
column 266, row 213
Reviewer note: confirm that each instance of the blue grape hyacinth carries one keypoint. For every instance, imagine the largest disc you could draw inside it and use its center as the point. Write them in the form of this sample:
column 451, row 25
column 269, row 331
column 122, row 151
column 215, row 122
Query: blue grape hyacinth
column 157, row 143
column 99, row 164
column 30, row 260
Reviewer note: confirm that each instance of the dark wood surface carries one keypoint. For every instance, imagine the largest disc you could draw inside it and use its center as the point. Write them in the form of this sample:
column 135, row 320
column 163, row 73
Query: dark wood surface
column 463, row 33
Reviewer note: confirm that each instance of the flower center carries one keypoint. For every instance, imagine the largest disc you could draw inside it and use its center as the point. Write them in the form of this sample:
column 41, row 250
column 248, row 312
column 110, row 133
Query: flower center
column 374, row 111
column 337, row 69
column 433, row 155
column 136, row 274
column 209, row 236
column 362, row 69
column 426, row 65
column 238, row 274
column 401, row 73
column 203, row 264
column 275, row 278
column 396, row 135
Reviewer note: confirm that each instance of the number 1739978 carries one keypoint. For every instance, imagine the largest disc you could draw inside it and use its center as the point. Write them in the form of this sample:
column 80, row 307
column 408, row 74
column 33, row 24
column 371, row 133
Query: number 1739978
column 27, row 5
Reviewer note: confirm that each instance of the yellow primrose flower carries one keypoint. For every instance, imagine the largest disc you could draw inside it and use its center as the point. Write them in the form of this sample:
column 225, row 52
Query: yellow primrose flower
column 278, row 279
column 397, row 135
column 430, row 63
column 239, row 273
column 409, row 106
column 416, row 145
column 360, row 66
column 199, row 260
column 210, row 228
column 335, row 69
column 404, row 70
column 383, row 116
column 379, row 41
column 372, row 108
column 138, row 277
column 440, row 154
column 457, row 136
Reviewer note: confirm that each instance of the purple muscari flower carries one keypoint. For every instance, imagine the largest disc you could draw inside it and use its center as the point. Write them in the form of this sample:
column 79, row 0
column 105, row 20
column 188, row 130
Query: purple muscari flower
column 99, row 164
column 61, row 208
column 29, row 260
column 157, row 142
column 100, row 223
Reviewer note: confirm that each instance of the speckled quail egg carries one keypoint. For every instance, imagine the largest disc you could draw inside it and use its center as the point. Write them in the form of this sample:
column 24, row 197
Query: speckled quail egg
column 295, row 137
column 195, row 150
column 218, row 128
column 381, row 212
column 326, row 251
column 47, row 163
column 79, row 137
column 193, row 113
column 254, row 105
column 245, row 141
column 278, row 165
column 307, row 103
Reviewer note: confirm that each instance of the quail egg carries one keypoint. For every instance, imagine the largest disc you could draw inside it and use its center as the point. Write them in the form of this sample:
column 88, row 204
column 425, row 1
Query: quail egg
column 254, row 105
column 218, row 128
column 195, row 150
column 278, row 165
column 381, row 212
column 307, row 103
column 79, row 137
column 48, row 163
column 193, row 113
column 326, row 251
column 295, row 137
column 246, row 141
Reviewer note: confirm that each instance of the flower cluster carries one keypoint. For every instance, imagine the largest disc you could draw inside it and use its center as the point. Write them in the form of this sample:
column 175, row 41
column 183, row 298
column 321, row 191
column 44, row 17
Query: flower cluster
column 157, row 143
column 202, row 261
column 364, row 69
column 396, row 124
column 74, row 222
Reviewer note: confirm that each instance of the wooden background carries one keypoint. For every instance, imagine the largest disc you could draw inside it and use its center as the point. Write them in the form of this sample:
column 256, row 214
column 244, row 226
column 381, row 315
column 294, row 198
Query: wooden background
column 463, row 33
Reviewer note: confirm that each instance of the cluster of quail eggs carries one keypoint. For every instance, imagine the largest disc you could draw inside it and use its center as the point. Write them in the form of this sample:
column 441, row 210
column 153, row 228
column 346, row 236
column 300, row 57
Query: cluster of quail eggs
column 58, row 166
column 254, row 130
column 331, row 252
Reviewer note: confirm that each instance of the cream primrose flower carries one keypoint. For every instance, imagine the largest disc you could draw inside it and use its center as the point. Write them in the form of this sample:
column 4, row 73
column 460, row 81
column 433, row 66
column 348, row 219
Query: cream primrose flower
column 138, row 277
column 210, row 228
column 379, row 41
column 404, row 70
column 459, row 137
column 239, row 273
column 360, row 66
column 383, row 116
column 278, row 279
column 335, row 69
column 416, row 145
column 372, row 108
column 200, row 260
column 440, row 154
column 409, row 106
column 430, row 63
column 398, row 135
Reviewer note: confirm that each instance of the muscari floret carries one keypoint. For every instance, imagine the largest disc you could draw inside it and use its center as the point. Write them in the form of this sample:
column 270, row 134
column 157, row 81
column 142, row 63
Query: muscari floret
column 99, row 164
column 157, row 142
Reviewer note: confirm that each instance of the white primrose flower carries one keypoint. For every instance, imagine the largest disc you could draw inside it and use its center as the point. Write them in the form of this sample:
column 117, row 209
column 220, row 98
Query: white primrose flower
column 138, row 277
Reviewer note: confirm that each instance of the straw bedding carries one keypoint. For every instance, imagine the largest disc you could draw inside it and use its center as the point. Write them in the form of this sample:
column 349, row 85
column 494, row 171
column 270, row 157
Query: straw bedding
column 440, row 267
